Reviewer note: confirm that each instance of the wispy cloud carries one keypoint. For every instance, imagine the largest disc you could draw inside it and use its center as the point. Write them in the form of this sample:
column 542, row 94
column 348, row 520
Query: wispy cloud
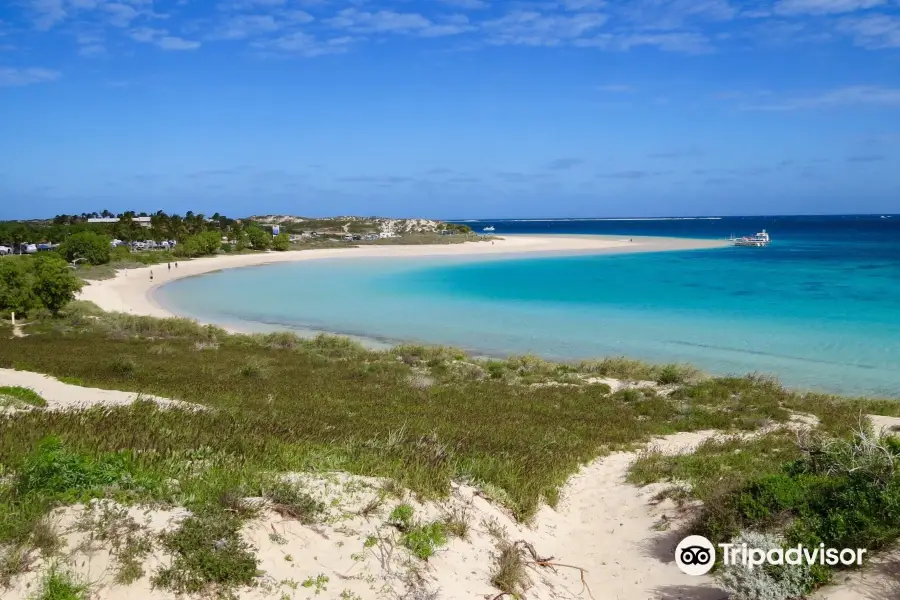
column 688, row 43
column 13, row 77
column 675, row 154
column 383, row 181
column 874, row 31
column 866, row 158
column 389, row 21
column 307, row 45
column 533, row 28
column 632, row 174
column 162, row 39
column 564, row 164
column 615, row 88
column 171, row 42
column 824, row 7
column 317, row 27
column 860, row 95
column 468, row 4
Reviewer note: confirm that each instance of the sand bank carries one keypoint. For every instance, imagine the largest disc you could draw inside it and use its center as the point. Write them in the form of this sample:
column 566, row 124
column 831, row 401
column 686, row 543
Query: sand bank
column 130, row 290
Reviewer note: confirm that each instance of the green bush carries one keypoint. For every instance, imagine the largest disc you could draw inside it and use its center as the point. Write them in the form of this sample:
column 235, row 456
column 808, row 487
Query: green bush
column 259, row 238
column 90, row 245
column 44, row 281
column 207, row 552
column 54, row 283
column 52, row 470
column 281, row 242
column 17, row 286
column 202, row 244
column 844, row 493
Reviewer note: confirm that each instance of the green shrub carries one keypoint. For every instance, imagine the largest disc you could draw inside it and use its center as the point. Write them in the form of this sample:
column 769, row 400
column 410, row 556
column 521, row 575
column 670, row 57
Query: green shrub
column 208, row 554
column 60, row 585
column 843, row 493
column 281, row 242
column 17, row 395
column 54, row 471
column 423, row 540
column 402, row 517
column 17, row 286
column 54, row 282
column 90, row 245
column 290, row 501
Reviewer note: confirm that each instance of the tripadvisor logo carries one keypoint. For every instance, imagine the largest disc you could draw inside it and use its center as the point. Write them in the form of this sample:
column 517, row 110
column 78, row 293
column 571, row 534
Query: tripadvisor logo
column 696, row 555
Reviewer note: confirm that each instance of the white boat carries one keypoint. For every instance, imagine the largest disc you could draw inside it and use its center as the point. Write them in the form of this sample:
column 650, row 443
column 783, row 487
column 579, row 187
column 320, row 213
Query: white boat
column 758, row 240
column 488, row 228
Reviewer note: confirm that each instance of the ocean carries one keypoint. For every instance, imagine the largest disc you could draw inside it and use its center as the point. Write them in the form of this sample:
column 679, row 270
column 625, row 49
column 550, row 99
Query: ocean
column 819, row 308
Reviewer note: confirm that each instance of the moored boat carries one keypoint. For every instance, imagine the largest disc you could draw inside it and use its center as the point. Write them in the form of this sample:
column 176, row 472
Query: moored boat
column 758, row 240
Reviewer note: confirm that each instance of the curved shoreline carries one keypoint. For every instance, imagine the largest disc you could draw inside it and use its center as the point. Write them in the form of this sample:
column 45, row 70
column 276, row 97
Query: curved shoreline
column 131, row 290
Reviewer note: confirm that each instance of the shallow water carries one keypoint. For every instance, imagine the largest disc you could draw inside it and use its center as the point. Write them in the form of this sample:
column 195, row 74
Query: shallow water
column 820, row 308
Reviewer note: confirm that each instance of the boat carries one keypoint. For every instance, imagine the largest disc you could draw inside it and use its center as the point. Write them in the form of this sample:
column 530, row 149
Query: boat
column 488, row 228
column 758, row 240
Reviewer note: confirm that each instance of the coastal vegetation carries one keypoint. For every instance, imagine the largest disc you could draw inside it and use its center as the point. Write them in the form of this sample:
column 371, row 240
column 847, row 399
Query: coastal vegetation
column 90, row 249
column 421, row 418
column 28, row 285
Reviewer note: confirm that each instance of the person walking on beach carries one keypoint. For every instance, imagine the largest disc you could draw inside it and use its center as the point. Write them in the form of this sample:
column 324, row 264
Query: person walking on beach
column 176, row 264
column 170, row 266
column 151, row 275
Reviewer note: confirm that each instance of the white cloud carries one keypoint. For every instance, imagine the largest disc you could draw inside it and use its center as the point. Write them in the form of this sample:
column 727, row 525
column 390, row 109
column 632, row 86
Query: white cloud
column 162, row 39
column 615, row 88
column 859, row 95
column 14, row 77
column 531, row 28
column 824, row 7
column 170, row 42
column 873, row 32
column 687, row 43
column 303, row 44
column 468, row 4
column 120, row 15
column 388, row 21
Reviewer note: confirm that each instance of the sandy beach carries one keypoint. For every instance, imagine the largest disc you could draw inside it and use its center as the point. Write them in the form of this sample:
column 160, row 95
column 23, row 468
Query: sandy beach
column 130, row 291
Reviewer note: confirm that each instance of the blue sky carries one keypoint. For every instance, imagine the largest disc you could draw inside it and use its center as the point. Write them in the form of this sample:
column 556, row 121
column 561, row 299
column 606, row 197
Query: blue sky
column 450, row 108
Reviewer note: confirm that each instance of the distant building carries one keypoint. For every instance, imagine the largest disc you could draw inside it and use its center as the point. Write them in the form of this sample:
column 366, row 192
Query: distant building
column 142, row 221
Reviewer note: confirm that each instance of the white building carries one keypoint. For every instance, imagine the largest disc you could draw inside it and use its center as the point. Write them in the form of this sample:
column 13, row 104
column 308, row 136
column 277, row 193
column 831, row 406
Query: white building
column 142, row 221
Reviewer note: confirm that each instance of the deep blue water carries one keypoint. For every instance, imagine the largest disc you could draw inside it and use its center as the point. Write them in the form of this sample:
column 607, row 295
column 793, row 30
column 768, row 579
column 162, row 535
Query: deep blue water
column 820, row 307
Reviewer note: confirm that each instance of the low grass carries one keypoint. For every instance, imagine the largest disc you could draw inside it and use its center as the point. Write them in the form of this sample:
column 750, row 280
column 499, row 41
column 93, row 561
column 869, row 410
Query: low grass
column 20, row 397
column 282, row 404
column 509, row 574
column 61, row 585
column 208, row 556
column 829, row 486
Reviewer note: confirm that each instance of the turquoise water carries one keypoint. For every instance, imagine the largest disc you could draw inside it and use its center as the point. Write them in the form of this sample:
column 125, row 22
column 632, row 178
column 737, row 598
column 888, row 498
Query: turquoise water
column 818, row 322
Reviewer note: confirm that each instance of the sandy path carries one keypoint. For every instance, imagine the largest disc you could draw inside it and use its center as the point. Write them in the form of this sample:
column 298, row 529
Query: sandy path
column 130, row 290
column 606, row 526
column 65, row 396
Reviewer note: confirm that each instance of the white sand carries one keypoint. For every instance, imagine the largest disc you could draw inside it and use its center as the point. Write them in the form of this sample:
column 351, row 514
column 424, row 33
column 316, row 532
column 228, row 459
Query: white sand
column 602, row 524
column 130, row 290
column 63, row 396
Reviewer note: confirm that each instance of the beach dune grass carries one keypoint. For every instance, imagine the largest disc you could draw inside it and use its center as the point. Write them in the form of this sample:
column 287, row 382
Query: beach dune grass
column 19, row 397
column 328, row 404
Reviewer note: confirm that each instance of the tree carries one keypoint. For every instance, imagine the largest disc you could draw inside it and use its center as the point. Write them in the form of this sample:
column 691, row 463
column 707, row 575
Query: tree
column 92, row 246
column 281, row 242
column 208, row 242
column 259, row 238
column 201, row 244
column 54, row 282
column 17, row 286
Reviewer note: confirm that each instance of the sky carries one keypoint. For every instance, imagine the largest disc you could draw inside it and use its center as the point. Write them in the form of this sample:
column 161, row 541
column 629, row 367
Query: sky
column 450, row 108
